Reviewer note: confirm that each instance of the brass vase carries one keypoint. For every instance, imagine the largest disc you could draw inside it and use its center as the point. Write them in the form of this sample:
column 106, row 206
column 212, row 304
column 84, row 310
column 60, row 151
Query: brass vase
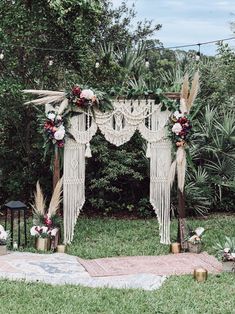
column 43, row 244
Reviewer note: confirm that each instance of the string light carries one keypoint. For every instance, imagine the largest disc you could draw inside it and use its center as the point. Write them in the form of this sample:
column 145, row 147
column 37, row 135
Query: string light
column 198, row 54
column 1, row 55
column 152, row 48
column 97, row 64
column 146, row 63
column 50, row 62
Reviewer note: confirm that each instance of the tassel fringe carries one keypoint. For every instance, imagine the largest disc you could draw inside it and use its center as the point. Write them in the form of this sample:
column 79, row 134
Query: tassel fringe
column 88, row 151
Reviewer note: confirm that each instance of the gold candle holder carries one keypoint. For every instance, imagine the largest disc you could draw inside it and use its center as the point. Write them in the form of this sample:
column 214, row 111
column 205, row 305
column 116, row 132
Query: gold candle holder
column 61, row 248
column 175, row 248
column 200, row 274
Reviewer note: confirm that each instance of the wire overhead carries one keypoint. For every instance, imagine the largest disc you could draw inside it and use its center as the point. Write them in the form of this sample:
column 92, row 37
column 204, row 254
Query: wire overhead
column 154, row 48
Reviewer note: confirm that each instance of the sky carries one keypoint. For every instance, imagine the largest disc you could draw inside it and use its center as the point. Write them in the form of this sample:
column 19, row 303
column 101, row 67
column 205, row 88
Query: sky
column 188, row 21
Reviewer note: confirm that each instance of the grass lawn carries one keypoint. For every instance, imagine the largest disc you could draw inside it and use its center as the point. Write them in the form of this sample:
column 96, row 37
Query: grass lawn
column 109, row 237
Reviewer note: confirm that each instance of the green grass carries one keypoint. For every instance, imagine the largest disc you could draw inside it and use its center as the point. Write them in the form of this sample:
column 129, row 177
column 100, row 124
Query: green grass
column 110, row 237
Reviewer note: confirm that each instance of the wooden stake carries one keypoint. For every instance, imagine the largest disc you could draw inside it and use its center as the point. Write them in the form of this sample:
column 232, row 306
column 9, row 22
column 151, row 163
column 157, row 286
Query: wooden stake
column 181, row 220
column 56, row 168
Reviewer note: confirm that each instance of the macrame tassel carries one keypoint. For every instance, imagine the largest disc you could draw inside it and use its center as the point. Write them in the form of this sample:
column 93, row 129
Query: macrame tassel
column 88, row 151
column 148, row 151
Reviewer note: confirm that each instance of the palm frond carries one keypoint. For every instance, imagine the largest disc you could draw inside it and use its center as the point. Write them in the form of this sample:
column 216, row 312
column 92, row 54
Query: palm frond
column 63, row 106
column 193, row 91
column 45, row 100
column 185, row 88
column 55, row 199
column 39, row 201
column 41, row 92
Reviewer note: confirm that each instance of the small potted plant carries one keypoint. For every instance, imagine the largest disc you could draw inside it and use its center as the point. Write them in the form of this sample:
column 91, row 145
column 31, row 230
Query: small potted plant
column 46, row 221
column 4, row 238
column 226, row 252
column 194, row 240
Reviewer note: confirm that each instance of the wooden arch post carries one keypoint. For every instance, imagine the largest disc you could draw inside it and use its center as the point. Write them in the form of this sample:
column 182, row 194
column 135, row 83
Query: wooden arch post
column 56, row 167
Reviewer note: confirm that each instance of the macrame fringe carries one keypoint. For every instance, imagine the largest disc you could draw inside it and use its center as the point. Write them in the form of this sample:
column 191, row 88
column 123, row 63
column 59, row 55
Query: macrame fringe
column 88, row 151
column 181, row 167
column 172, row 172
column 148, row 150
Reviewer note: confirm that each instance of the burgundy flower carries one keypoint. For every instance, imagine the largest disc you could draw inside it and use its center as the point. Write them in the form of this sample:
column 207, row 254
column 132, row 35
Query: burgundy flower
column 76, row 90
column 80, row 102
column 182, row 120
column 60, row 144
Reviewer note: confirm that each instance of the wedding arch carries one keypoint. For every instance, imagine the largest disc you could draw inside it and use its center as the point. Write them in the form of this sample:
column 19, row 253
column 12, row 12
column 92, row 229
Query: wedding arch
column 118, row 126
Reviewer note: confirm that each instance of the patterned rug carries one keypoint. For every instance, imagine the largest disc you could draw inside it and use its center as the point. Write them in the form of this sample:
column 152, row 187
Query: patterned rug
column 172, row 264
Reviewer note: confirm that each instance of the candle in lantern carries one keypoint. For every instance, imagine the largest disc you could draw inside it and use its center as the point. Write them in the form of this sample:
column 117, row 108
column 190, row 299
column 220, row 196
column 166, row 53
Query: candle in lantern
column 175, row 248
column 200, row 274
column 61, row 248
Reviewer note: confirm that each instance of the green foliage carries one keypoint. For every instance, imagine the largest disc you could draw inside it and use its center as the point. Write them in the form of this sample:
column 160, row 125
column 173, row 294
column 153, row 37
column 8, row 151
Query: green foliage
column 117, row 178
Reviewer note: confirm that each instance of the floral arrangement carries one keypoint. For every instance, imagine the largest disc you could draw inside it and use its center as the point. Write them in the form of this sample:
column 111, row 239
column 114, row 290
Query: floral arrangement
column 4, row 236
column 227, row 249
column 46, row 221
column 195, row 236
column 54, row 129
column 43, row 231
column 180, row 127
column 83, row 98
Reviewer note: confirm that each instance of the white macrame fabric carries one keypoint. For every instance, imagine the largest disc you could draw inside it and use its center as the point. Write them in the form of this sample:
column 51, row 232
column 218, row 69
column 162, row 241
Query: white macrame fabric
column 118, row 126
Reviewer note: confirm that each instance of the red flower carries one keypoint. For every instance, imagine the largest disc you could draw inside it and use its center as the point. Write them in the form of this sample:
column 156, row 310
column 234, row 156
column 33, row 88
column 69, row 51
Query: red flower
column 47, row 221
column 76, row 90
column 182, row 120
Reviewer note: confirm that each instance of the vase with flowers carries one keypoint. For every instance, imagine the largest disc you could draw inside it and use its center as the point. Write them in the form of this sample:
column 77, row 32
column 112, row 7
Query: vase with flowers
column 226, row 252
column 4, row 239
column 194, row 240
column 46, row 220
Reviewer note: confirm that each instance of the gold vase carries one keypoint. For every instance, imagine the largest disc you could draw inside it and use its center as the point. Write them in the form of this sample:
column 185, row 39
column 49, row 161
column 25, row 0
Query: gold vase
column 200, row 274
column 43, row 244
column 3, row 249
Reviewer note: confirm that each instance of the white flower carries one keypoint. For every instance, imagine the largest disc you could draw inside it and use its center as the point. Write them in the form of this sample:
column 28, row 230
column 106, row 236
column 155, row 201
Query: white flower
column 3, row 235
column 54, row 232
column 51, row 116
column 233, row 255
column 199, row 231
column 44, row 229
column 177, row 114
column 1, row 228
column 87, row 94
column 177, row 128
column 33, row 231
column 59, row 117
column 193, row 238
column 226, row 250
column 60, row 133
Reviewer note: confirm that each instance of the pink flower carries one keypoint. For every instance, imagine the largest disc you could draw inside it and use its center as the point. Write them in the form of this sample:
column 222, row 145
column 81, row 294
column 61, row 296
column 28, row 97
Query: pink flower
column 87, row 94
column 177, row 128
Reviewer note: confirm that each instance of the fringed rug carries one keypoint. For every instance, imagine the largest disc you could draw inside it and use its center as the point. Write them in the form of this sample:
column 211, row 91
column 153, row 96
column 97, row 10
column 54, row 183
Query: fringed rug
column 172, row 264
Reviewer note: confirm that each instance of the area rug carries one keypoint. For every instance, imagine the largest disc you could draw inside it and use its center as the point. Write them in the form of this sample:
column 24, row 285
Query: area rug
column 172, row 264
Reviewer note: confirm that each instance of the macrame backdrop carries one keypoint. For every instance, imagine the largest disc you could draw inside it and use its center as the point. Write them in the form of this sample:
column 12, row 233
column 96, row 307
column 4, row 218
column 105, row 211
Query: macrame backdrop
column 118, row 126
